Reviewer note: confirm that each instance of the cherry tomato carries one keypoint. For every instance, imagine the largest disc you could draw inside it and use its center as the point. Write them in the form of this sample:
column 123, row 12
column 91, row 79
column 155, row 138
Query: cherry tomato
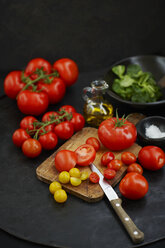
column 32, row 103
column 118, row 137
column 93, row 142
column 67, row 69
column 74, row 172
column 48, row 128
column 60, row 196
column 65, row 160
column 13, row 84
column 31, row 148
column 55, row 90
column 133, row 186
column 135, row 168
column 78, row 121
column 37, row 63
column 85, row 155
column 48, row 140
column 75, row 181
column 151, row 157
column 64, row 130
column 106, row 158
column 19, row 136
column 128, row 158
column 68, row 108
column 47, row 116
column 94, row 177
column 115, row 164
column 27, row 122
column 109, row 173
column 64, row 177
column 54, row 186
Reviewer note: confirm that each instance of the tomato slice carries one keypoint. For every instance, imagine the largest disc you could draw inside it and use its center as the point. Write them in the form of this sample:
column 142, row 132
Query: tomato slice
column 94, row 177
column 85, row 155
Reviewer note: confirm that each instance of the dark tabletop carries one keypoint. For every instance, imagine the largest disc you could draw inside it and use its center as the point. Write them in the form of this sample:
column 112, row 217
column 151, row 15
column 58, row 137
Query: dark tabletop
column 93, row 33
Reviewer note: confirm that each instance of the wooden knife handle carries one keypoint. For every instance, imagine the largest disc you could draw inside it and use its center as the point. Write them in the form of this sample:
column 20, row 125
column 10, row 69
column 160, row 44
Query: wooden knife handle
column 136, row 235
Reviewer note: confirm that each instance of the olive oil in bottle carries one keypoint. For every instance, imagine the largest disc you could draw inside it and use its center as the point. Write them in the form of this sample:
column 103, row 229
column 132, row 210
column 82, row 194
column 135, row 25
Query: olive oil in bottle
column 96, row 108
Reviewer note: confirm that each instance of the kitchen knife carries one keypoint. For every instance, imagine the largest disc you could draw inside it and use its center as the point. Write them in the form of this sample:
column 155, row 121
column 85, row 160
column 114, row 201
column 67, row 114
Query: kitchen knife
column 136, row 235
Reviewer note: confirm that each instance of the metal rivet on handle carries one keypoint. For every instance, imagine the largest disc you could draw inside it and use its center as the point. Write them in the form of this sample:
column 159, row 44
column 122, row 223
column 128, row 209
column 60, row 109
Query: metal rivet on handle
column 127, row 219
column 135, row 232
column 117, row 205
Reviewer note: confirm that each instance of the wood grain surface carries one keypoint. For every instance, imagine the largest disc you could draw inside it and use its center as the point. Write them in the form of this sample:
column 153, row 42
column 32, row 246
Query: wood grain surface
column 87, row 191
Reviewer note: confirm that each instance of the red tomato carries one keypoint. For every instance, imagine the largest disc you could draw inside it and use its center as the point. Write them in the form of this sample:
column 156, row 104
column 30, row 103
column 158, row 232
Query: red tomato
column 37, row 63
column 151, row 158
column 78, row 121
column 133, row 186
column 48, row 140
column 19, row 136
column 55, row 90
column 48, row 128
column 65, row 160
column 32, row 103
column 119, row 137
column 64, row 130
column 47, row 116
column 94, row 177
column 27, row 122
column 13, row 84
column 93, row 142
column 115, row 164
column 31, row 148
column 106, row 158
column 85, row 155
column 109, row 173
column 128, row 158
column 68, row 108
column 135, row 168
column 67, row 69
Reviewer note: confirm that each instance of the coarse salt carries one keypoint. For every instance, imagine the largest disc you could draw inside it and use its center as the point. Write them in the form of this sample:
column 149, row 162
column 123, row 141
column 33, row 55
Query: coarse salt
column 154, row 132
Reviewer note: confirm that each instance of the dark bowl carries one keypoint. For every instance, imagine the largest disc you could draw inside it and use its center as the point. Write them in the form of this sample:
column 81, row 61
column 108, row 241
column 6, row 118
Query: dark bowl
column 150, row 63
column 141, row 126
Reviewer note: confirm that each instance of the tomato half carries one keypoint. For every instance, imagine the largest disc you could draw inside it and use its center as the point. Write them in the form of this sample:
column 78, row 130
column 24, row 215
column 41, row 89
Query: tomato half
column 93, row 142
column 32, row 103
column 31, row 148
column 109, row 173
column 65, row 160
column 128, row 158
column 106, row 158
column 151, row 157
column 13, row 84
column 64, row 130
column 115, row 137
column 19, row 136
column 78, row 121
column 85, row 155
column 135, row 168
column 94, row 177
column 133, row 186
column 67, row 69
column 55, row 90
column 48, row 140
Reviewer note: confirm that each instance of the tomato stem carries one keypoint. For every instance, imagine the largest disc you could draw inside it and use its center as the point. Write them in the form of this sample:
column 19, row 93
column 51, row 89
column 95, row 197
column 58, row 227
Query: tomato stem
column 120, row 122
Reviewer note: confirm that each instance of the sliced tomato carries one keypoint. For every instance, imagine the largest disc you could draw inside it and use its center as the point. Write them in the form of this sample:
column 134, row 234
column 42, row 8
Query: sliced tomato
column 85, row 155
column 94, row 177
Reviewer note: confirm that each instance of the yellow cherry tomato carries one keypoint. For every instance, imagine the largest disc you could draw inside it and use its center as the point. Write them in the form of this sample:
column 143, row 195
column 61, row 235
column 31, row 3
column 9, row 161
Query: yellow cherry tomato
column 54, row 186
column 64, row 177
column 60, row 196
column 75, row 181
column 74, row 172
column 84, row 175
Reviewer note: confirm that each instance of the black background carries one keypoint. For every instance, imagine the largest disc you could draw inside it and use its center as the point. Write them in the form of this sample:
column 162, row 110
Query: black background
column 93, row 33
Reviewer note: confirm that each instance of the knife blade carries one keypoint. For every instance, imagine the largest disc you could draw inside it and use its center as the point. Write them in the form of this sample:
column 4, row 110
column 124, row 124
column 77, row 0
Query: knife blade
column 136, row 235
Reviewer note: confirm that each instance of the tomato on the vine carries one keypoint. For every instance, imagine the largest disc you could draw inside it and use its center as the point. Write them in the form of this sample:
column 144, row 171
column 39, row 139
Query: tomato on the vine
column 115, row 164
column 109, row 173
column 93, row 142
column 48, row 140
column 106, row 158
column 13, row 84
column 151, row 157
column 67, row 69
column 94, row 177
column 32, row 103
column 31, row 148
column 128, row 158
column 19, row 136
column 117, row 133
column 78, row 121
column 135, row 168
column 65, row 160
column 47, row 116
column 64, row 130
column 55, row 90
column 68, row 108
column 27, row 122
column 37, row 63
column 133, row 186
column 85, row 155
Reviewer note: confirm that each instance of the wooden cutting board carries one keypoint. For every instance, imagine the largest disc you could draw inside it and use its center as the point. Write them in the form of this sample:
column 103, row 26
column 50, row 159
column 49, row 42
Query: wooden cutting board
column 87, row 191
